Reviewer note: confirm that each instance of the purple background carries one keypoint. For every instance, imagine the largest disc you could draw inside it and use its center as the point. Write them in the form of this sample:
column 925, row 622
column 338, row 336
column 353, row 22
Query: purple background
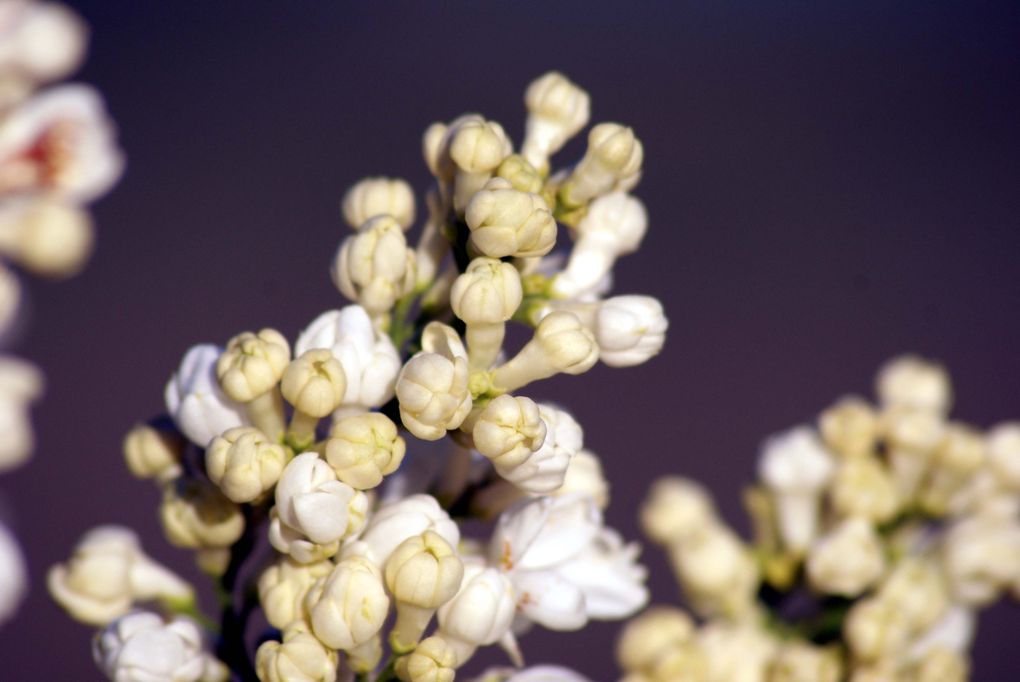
column 829, row 184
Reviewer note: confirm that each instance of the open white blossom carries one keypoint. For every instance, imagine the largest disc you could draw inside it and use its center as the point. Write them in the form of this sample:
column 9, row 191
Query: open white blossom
column 545, row 469
column 141, row 647
column 195, row 400
column 397, row 521
column 480, row 613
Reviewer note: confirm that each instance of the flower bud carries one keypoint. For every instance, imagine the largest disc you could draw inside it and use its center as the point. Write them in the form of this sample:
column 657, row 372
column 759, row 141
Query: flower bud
column 422, row 574
column 433, row 147
column 914, row 383
column 107, row 573
column 958, row 456
column 875, row 629
column 479, row 614
column 557, row 110
column 521, row 175
column 348, row 607
column 485, row 297
column 941, row 665
column 375, row 267
column 476, row 148
column 368, row 357
column 802, row 662
column 283, row 587
column 153, row 452
column 630, row 330
column 45, row 236
column 244, row 463
column 399, row 520
column 195, row 401
column 41, row 41
column 363, row 448
column 560, row 344
column 981, row 557
column 431, row 661
column 849, row 428
column 584, row 477
column 507, row 222
column 733, row 651
column 717, row 572
column 847, row 560
column 252, row 364
column 432, row 388
column 509, row 430
column 300, row 657
column 1004, row 454
column 20, row 385
column 313, row 509
column 141, row 647
column 614, row 226
column 612, row 162
column 196, row 515
column 675, row 508
column 314, row 383
column 371, row 197
column 545, row 470
column 911, row 437
column 862, row 487
column 650, row 637
column 916, row 587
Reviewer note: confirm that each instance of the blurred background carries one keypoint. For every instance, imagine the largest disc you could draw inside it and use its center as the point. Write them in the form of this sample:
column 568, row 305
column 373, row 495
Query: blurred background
column 829, row 184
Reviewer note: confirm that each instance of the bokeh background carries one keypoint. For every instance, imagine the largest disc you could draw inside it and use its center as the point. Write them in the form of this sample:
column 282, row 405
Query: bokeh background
column 829, row 184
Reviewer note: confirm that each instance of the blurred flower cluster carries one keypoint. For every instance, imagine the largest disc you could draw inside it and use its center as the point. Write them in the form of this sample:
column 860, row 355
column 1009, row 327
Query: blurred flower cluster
column 299, row 475
column 879, row 533
column 57, row 154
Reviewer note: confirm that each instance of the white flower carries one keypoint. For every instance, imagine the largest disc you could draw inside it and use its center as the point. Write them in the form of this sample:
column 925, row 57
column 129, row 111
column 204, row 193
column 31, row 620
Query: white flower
column 475, row 147
column 433, row 386
column 485, row 297
column 20, row 386
column 379, row 196
column 397, row 521
column 300, row 657
column 912, row 382
column 584, row 477
column 347, row 608
column 847, row 560
column 13, row 575
column 195, row 400
column 374, row 267
column 244, row 463
column 507, row 222
column 630, row 330
column 363, row 448
column 608, row 574
column 107, row 573
column 614, row 226
column 283, row 587
column 141, row 647
column 538, row 673
column 480, row 613
column 557, row 110
column 60, row 143
column 40, row 41
column 954, row 631
column 612, row 162
column 796, row 468
column 46, row 235
column 369, row 360
column 423, row 573
column 314, row 508
column 561, row 343
column 545, row 470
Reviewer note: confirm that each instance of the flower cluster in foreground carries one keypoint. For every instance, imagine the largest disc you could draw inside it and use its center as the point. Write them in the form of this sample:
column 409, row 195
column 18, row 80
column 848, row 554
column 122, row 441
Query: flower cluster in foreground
column 56, row 156
column 314, row 446
column 879, row 533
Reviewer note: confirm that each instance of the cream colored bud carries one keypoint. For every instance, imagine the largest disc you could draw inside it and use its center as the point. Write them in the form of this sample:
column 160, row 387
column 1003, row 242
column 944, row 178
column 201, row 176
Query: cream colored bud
column 478, row 146
column 585, row 477
column 252, row 364
column 958, row 456
column 363, row 448
column 300, row 657
column 375, row 267
column 196, row 515
column 521, row 175
column 716, row 570
column 480, row 613
column 431, row 661
column 941, row 664
column 850, row 427
column 244, row 463
column 981, row 557
column 489, row 291
column 379, row 196
column 507, row 222
column 545, row 470
column 862, row 487
column 916, row 587
column 348, row 607
column 45, row 236
column 875, row 629
column 734, row 651
column 557, row 110
column 283, row 587
column 422, row 574
column 847, row 560
column 152, row 452
column 802, row 662
column 314, row 383
column 1004, row 454
column 914, row 383
column 650, row 637
column 612, row 162
column 509, row 430
column 911, row 437
column 675, row 508
column 561, row 343
column 630, row 330
column 432, row 388
column 432, row 145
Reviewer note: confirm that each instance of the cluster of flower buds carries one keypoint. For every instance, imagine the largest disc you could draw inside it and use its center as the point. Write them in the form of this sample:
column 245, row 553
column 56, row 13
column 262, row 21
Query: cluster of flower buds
column 311, row 446
column 57, row 155
column 879, row 533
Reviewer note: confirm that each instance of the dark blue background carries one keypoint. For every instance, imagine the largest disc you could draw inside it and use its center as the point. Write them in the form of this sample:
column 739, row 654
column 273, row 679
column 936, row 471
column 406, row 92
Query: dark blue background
column 829, row 184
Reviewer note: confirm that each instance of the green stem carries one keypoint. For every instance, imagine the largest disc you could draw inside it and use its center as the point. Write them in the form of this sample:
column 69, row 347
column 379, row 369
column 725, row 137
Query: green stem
column 388, row 673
